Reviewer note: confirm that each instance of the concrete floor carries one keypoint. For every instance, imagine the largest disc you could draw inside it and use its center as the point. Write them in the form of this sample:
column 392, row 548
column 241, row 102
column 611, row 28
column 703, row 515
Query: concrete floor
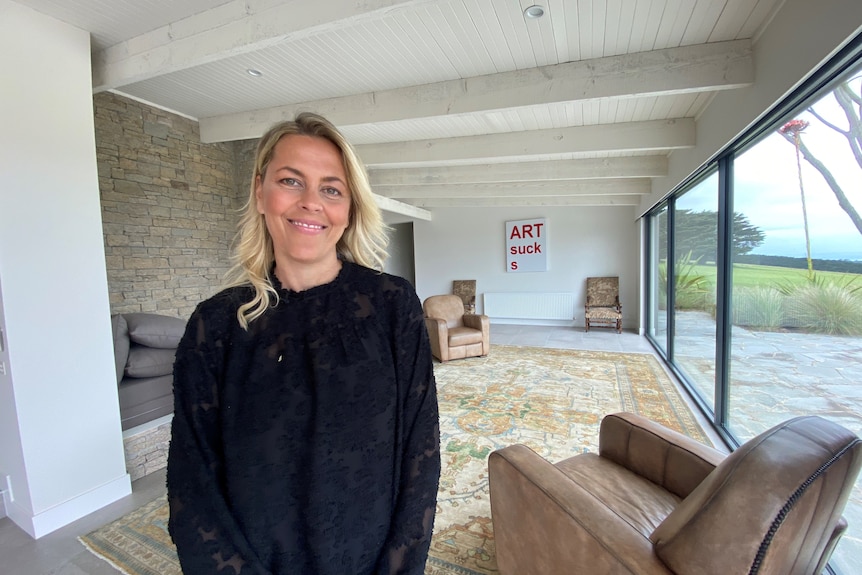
column 60, row 552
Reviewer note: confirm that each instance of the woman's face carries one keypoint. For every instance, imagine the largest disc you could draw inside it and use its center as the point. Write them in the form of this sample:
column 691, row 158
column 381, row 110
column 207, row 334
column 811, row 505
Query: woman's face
column 305, row 200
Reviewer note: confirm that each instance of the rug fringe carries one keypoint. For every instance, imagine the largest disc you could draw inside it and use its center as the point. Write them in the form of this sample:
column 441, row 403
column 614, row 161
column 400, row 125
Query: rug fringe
column 92, row 550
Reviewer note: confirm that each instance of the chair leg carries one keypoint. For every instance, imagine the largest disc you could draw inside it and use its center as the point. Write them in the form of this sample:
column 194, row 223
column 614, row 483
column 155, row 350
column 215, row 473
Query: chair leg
column 587, row 321
column 619, row 326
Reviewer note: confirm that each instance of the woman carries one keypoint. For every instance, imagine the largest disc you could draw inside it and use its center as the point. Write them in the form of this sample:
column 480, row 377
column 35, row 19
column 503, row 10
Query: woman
column 305, row 437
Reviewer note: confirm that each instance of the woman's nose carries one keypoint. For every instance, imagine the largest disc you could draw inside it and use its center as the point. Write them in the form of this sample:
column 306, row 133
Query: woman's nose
column 310, row 200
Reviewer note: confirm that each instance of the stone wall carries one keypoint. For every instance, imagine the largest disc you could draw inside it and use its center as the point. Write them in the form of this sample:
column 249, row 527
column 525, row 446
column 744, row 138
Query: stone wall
column 244, row 151
column 169, row 207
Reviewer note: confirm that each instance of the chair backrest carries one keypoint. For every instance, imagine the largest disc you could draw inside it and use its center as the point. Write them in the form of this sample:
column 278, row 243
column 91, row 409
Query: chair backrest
column 603, row 291
column 446, row 307
column 466, row 290
column 770, row 507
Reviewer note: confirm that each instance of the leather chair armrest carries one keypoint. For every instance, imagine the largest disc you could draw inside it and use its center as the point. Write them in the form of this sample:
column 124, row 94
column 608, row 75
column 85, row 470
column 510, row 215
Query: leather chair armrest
column 438, row 333
column 837, row 532
column 480, row 322
column 667, row 458
column 546, row 523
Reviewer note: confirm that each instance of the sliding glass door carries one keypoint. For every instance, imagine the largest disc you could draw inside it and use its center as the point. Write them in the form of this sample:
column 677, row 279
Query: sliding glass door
column 695, row 222
column 759, row 259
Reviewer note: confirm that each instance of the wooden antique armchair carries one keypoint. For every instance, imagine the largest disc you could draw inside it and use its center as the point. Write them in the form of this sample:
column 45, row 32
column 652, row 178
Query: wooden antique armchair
column 603, row 305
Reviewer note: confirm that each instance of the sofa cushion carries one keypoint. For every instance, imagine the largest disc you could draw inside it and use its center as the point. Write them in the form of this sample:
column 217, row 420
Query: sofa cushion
column 149, row 361
column 153, row 330
column 120, row 330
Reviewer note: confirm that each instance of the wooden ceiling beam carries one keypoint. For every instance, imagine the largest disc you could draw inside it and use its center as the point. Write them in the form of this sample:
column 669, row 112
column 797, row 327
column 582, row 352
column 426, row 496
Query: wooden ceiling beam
column 567, row 188
column 236, row 27
column 687, row 69
column 654, row 135
column 550, row 201
column 587, row 168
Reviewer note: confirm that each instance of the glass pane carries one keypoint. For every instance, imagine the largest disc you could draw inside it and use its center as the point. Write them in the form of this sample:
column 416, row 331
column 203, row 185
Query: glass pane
column 658, row 281
column 695, row 222
column 797, row 282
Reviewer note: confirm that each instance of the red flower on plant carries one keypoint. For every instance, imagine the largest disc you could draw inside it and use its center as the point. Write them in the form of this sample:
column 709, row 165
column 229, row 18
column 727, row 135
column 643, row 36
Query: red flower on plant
column 793, row 127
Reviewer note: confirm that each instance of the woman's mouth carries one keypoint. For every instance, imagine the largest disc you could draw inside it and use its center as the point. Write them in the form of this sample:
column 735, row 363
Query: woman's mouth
column 310, row 226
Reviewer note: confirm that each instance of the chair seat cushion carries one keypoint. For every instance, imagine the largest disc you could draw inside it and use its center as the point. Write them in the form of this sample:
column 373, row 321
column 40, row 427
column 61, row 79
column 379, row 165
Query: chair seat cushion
column 603, row 313
column 459, row 336
column 638, row 501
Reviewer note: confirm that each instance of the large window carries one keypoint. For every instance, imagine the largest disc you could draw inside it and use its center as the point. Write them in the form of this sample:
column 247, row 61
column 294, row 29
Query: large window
column 695, row 223
column 658, row 285
column 782, row 232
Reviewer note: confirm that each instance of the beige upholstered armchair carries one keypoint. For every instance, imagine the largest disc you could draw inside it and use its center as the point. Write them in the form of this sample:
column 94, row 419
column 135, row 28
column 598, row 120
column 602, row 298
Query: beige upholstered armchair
column 453, row 333
column 602, row 306
column 653, row 501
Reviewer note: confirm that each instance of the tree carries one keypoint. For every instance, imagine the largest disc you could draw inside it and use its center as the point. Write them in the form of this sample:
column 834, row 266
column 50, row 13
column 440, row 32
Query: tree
column 792, row 130
column 696, row 233
column 850, row 101
column 746, row 236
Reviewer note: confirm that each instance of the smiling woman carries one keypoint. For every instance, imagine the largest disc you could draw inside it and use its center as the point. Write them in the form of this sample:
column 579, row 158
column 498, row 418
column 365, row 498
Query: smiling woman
column 305, row 438
column 305, row 201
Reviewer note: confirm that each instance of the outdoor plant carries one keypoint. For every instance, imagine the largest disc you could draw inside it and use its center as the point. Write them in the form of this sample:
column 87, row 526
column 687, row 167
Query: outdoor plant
column 828, row 308
column 760, row 307
column 692, row 290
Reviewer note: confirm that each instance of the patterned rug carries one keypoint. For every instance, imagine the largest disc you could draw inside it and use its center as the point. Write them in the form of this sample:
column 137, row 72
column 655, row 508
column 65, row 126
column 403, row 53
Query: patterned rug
column 551, row 400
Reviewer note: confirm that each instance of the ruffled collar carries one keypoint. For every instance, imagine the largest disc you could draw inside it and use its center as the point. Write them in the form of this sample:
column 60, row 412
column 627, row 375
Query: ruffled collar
column 343, row 273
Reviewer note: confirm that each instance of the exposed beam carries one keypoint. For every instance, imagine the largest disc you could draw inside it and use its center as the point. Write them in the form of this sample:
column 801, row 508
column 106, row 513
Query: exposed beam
column 529, row 202
column 569, row 188
column 400, row 208
column 687, row 69
column 237, row 27
column 624, row 137
column 591, row 168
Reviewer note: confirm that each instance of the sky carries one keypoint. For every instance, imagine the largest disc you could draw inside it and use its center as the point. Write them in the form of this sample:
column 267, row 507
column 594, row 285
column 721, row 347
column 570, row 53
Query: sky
column 766, row 190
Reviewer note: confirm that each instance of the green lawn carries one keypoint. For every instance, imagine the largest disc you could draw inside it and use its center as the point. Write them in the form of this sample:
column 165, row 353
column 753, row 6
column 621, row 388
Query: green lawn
column 750, row 275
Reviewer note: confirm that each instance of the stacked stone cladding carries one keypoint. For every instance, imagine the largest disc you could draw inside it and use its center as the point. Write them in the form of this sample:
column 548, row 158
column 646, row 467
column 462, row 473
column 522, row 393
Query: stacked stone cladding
column 169, row 207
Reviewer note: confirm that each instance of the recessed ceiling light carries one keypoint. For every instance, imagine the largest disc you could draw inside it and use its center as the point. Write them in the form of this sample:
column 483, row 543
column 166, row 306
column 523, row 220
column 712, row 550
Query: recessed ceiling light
column 534, row 11
column 255, row 73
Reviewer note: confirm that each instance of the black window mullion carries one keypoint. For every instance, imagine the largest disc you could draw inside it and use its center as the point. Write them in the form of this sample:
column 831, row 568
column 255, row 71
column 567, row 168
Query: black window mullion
column 723, row 303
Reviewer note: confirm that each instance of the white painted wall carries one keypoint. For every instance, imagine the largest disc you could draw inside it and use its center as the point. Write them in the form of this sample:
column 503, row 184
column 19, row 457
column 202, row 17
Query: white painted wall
column 61, row 440
column 800, row 38
column 401, row 258
column 470, row 243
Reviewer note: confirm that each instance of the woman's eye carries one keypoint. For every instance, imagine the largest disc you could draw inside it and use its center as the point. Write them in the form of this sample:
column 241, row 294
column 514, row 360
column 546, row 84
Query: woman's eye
column 332, row 192
column 290, row 182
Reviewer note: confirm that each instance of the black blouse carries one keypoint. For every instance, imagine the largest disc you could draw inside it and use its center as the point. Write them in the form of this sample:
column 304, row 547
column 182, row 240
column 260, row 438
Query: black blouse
column 308, row 444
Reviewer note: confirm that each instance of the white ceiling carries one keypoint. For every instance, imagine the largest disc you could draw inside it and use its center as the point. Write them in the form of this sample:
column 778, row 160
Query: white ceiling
column 450, row 102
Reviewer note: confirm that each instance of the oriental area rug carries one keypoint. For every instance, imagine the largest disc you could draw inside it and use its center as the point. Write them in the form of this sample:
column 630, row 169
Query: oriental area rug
column 551, row 400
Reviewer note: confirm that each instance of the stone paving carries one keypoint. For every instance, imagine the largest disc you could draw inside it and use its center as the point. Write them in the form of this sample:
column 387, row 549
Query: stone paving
column 775, row 376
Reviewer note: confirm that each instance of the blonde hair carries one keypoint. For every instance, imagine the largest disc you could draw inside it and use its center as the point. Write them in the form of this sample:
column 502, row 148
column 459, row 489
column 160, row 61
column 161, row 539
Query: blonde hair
column 364, row 241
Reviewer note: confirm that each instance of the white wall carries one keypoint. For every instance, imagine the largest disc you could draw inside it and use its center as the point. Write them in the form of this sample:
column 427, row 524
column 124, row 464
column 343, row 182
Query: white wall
column 401, row 257
column 801, row 37
column 460, row 244
column 61, row 442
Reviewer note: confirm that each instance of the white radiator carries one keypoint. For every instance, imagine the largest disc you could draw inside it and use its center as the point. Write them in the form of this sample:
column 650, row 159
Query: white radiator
column 530, row 305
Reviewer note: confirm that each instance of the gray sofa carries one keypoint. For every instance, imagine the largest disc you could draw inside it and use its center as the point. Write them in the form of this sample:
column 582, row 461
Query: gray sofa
column 144, row 348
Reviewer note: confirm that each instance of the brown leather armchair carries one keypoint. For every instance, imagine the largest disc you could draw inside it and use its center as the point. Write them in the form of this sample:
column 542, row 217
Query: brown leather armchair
column 453, row 333
column 656, row 502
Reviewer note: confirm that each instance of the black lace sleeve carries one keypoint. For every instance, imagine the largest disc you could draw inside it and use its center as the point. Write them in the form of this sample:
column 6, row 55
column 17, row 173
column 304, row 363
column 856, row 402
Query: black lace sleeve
column 206, row 535
column 409, row 538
